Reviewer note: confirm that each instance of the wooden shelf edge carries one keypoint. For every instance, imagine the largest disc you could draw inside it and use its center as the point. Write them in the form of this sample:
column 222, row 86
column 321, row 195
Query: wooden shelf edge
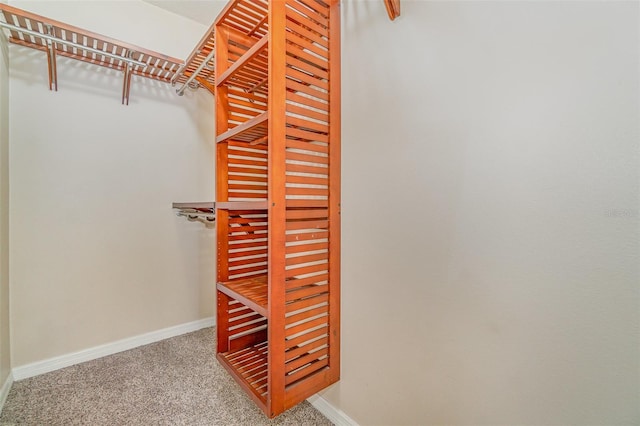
column 244, row 298
column 206, row 205
column 247, row 125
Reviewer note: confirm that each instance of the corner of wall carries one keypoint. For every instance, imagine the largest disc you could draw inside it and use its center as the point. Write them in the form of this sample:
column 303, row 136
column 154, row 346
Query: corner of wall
column 4, row 390
column 5, row 357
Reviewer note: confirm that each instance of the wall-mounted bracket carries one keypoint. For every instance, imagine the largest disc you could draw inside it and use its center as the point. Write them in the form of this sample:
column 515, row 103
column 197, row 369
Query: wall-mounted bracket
column 393, row 8
column 197, row 212
column 51, row 61
column 126, row 85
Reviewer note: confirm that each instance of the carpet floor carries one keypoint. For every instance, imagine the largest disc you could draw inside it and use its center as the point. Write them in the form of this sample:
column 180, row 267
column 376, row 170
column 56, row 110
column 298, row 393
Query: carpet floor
column 173, row 382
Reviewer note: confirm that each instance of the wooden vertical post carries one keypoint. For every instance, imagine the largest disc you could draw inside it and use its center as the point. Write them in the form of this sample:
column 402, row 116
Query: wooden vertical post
column 277, row 204
column 222, row 188
column 334, row 189
column 51, row 61
column 222, row 314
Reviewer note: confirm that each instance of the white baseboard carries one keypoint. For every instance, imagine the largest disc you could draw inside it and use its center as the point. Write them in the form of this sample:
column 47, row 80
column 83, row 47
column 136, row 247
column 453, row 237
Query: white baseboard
column 335, row 415
column 4, row 391
column 56, row 363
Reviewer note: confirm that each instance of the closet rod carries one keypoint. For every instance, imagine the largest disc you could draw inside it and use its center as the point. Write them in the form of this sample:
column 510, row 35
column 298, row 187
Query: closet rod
column 181, row 90
column 72, row 44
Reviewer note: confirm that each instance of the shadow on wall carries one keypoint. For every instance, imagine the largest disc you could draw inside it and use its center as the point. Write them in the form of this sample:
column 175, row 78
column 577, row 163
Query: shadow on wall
column 4, row 45
column 363, row 15
column 199, row 103
column 31, row 66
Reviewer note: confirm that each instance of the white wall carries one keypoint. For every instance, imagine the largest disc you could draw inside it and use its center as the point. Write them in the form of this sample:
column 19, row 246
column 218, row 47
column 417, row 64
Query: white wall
column 490, row 213
column 5, row 350
column 97, row 254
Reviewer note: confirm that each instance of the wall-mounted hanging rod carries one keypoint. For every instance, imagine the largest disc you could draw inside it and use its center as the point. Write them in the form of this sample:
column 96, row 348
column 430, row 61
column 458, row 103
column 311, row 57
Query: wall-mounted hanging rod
column 208, row 219
column 72, row 44
column 200, row 212
column 194, row 72
column 192, row 77
column 176, row 75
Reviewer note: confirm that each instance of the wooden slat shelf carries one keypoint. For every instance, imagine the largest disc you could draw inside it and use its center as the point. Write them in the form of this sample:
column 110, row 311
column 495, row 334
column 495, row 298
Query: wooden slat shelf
column 206, row 206
column 247, row 20
column 250, row 70
column 251, row 292
column 199, row 65
column 246, row 16
column 250, row 131
column 57, row 38
column 250, row 368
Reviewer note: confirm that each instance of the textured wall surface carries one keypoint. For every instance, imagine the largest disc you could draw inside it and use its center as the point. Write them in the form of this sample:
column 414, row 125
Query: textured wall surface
column 97, row 254
column 5, row 349
column 490, row 213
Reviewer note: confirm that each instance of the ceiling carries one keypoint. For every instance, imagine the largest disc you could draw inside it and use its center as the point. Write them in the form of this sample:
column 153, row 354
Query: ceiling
column 202, row 11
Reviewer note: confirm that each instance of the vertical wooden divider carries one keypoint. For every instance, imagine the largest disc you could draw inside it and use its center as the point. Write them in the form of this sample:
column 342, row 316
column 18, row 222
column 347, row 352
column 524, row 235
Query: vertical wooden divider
column 334, row 189
column 222, row 192
column 277, row 204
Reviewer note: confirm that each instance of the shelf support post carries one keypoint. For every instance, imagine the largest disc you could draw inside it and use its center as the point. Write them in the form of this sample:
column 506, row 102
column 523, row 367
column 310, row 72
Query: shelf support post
column 51, row 61
column 277, row 205
column 126, row 86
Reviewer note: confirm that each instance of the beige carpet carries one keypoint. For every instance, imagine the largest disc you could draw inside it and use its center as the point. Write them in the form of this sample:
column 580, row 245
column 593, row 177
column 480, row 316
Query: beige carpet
column 173, row 382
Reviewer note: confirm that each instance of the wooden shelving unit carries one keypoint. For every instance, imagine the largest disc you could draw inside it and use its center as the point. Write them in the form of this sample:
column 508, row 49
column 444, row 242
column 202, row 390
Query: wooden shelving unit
column 277, row 88
column 274, row 68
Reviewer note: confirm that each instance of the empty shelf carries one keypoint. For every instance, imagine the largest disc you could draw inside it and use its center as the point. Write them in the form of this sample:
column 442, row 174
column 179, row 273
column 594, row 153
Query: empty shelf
column 251, row 292
column 250, row 71
column 250, row 367
column 199, row 70
column 250, row 131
